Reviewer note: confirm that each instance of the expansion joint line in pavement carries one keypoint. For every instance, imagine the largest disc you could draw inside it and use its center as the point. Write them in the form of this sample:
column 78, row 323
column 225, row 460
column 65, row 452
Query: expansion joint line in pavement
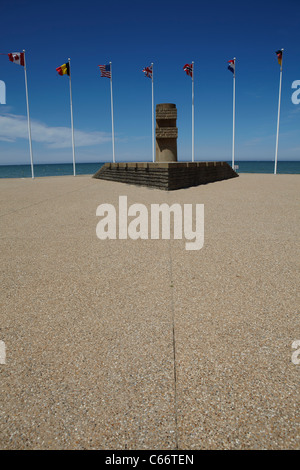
column 174, row 341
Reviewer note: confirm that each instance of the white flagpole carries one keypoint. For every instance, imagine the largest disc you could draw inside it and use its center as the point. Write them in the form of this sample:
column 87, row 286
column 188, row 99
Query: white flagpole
column 233, row 118
column 72, row 124
column 193, row 125
column 278, row 117
column 112, row 114
column 28, row 117
column 153, row 156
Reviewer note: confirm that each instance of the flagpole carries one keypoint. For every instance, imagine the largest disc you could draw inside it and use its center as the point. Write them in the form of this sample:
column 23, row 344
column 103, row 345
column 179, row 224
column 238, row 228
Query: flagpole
column 233, row 118
column 153, row 156
column 28, row 117
column 278, row 117
column 193, row 125
column 72, row 124
column 112, row 114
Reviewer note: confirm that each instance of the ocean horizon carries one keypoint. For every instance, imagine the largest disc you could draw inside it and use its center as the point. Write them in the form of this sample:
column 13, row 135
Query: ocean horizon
column 62, row 169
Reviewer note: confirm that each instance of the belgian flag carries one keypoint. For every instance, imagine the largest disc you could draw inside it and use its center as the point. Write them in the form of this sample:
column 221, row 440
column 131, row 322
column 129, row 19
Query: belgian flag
column 64, row 69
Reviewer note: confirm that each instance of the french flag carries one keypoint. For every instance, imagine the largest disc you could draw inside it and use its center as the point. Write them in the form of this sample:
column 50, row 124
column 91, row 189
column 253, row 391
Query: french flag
column 17, row 58
column 231, row 66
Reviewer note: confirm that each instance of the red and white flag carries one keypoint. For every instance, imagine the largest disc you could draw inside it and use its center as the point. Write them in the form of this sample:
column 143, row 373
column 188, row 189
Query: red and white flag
column 17, row 58
column 188, row 68
column 148, row 71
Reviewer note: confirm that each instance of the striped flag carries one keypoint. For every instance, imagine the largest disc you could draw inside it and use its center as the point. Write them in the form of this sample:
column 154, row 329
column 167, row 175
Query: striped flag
column 279, row 57
column 148, row 71
column 231, row 66
column 105, row 70
column 64, row 69
column 188, row 68
column 17, row 58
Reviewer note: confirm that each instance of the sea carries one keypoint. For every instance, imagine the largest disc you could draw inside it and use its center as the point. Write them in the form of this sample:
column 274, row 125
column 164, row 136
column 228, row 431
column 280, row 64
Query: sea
column 60, row 169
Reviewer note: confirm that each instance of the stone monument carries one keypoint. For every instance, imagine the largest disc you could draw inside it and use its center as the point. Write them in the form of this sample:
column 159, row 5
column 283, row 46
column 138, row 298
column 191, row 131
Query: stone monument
column 166, row 172
column 166, row 133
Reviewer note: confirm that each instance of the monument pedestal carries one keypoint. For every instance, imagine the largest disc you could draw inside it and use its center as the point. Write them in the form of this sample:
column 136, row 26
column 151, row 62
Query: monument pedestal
column 166, row 172
column 166, row 175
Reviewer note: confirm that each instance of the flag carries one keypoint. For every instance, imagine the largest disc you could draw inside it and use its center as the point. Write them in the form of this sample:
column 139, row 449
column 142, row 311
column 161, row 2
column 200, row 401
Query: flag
column 188, row 68
column 231, row 66
column 279, row 57
column 105, row 70
column 148, row 71
column 64, row 69
column 17, row 58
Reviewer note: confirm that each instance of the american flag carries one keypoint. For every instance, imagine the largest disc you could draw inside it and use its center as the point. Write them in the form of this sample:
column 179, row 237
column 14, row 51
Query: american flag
column 105, row 70
column 148, row 71
column 188, row 68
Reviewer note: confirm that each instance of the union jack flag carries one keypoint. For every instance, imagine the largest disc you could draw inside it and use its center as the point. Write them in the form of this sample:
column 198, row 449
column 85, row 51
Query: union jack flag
column 188, row 68
column 148, row 71
column 105, row 70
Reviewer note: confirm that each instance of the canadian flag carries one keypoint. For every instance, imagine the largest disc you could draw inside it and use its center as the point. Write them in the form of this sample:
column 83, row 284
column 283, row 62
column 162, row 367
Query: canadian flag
column 17, row 57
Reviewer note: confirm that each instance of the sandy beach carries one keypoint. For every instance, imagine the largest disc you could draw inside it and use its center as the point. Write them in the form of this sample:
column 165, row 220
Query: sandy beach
column 141, row 344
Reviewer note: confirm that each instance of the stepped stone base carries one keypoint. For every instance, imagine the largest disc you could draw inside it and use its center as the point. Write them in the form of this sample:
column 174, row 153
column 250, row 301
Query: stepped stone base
column 166, row 175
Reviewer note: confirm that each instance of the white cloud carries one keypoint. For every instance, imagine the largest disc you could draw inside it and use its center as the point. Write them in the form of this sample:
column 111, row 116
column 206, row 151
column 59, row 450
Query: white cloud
column 13, row 127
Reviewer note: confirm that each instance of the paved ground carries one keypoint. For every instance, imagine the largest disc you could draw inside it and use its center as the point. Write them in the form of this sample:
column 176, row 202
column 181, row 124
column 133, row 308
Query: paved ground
column 123, row 344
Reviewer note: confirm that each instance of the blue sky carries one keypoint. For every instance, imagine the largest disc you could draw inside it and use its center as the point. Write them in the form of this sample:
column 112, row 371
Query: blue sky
column 132, row 34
